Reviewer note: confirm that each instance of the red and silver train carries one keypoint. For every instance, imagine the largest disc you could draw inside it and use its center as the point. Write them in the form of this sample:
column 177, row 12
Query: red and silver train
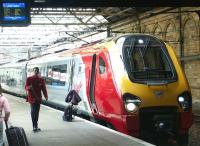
column 132, row 82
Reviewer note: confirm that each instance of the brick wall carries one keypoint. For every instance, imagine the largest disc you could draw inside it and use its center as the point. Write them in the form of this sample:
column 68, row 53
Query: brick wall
column 166, row 26
column 192, row 70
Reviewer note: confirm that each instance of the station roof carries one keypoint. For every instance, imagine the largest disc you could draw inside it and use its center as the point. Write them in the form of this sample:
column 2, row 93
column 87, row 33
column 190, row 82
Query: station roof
column 57, row 22
column 52, row 24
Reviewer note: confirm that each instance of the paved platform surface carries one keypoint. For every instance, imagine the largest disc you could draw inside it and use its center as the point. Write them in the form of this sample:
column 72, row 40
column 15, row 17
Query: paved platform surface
column 56, row 132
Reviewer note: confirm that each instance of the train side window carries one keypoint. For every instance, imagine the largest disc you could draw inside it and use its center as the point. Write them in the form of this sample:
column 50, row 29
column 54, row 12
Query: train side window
column 56, row 75
column 102, row 66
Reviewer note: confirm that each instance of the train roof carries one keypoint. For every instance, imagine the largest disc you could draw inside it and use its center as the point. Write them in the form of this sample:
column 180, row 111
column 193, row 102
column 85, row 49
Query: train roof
column 14, row 64
column 83, row 50
column 66, row 54
column 47, row 58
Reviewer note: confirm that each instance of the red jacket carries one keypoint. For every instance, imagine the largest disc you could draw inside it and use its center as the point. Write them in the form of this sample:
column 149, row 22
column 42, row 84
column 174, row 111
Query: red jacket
column 34, row 85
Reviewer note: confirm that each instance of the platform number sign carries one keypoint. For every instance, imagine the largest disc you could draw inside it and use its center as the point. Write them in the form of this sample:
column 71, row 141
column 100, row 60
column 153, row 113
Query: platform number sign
column 14, row 13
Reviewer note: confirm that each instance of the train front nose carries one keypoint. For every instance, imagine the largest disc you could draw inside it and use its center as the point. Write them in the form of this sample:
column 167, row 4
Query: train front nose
column 157, row 122
column 163, row 123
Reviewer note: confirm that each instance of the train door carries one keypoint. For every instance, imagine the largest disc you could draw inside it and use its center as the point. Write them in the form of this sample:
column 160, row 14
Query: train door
column 107, row 98
column 102, row 84
column 92, row 84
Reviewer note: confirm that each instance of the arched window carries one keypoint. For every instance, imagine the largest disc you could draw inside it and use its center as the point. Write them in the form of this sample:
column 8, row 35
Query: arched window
column 170, row 34
column 158, row 32
column 145, row 29
column 170, row 37
column 190, row 38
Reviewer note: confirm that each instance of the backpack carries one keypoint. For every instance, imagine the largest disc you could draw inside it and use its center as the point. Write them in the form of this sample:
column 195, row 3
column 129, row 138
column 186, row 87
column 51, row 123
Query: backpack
column 73, row 97
column 68, row 114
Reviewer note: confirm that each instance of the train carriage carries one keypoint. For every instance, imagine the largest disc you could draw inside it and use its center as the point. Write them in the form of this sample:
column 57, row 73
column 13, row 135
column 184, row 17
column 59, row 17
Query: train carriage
column 132, row 82
column 12, row 77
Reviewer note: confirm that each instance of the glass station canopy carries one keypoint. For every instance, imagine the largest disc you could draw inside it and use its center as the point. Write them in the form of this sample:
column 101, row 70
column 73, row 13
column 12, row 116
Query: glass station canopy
column 51, row 27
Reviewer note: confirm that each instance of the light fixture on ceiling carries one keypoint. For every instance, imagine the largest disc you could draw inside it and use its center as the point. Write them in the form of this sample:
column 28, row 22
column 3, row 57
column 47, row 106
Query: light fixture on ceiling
column 39, row 1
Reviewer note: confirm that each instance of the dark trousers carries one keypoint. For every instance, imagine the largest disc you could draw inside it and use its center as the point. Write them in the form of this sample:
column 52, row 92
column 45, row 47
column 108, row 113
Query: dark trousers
column 35, row 109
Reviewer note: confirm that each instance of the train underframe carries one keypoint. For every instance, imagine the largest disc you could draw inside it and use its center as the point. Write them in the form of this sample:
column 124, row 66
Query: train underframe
column 156, row 125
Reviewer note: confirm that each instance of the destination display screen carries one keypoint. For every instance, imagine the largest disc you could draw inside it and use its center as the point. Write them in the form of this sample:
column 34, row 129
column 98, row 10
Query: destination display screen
column 15, row 13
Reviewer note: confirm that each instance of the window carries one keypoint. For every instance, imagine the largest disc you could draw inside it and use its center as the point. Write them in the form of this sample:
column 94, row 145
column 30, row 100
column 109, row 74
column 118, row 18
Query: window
column 146, row 59
column 56, row 75
column 102, row 66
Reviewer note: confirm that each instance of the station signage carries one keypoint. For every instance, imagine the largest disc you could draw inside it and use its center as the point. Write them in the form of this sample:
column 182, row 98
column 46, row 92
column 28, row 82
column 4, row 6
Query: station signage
column 14, row 13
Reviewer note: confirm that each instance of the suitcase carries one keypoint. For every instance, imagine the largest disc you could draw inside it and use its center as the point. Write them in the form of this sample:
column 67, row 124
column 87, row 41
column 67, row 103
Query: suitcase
column 68, row 113
column 16, row 136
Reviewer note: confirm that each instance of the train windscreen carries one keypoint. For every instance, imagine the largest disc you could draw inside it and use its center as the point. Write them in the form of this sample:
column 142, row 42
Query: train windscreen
column 146, row 59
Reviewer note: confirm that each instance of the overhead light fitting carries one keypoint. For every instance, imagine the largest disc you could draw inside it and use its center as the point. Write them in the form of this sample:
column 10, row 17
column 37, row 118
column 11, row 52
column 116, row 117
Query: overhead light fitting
column 39, row 1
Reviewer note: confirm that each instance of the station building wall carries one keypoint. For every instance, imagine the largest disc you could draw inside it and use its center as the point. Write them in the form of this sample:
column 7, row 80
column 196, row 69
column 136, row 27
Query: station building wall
column 166, row 25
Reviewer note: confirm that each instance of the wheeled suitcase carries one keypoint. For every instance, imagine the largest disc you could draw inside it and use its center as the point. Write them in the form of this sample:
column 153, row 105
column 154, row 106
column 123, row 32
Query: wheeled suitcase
column 16, row 136
column 68, row 113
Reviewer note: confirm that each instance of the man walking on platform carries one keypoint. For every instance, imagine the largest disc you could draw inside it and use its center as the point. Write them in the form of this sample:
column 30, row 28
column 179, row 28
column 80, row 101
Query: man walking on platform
column 34, row 85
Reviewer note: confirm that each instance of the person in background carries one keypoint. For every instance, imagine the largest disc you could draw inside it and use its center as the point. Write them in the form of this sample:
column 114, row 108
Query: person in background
column 4, row 107
column 34, row 86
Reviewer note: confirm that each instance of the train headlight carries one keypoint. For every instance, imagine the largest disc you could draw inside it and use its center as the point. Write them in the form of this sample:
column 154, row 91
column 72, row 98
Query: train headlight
column 131, row 107
column 131, row 102
column 181, row 99
column 185, row 101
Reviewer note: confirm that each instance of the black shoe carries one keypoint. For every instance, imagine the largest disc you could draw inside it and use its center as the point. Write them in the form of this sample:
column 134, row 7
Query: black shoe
column 34, row 129
column 38, row 129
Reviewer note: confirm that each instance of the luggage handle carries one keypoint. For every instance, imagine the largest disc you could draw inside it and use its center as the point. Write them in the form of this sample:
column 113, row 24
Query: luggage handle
column 6, row 123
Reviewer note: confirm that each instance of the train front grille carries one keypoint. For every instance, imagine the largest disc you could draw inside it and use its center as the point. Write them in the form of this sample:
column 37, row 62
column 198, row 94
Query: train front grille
column 158, row 121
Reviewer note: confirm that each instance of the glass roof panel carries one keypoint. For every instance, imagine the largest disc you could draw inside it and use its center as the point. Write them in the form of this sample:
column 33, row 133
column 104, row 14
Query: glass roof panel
column 48, row 27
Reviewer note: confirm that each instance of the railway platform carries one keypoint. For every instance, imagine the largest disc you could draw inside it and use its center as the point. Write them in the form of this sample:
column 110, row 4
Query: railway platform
column 56, row 132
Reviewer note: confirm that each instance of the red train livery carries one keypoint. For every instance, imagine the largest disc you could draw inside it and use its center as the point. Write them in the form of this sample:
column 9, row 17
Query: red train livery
column 133, row 83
